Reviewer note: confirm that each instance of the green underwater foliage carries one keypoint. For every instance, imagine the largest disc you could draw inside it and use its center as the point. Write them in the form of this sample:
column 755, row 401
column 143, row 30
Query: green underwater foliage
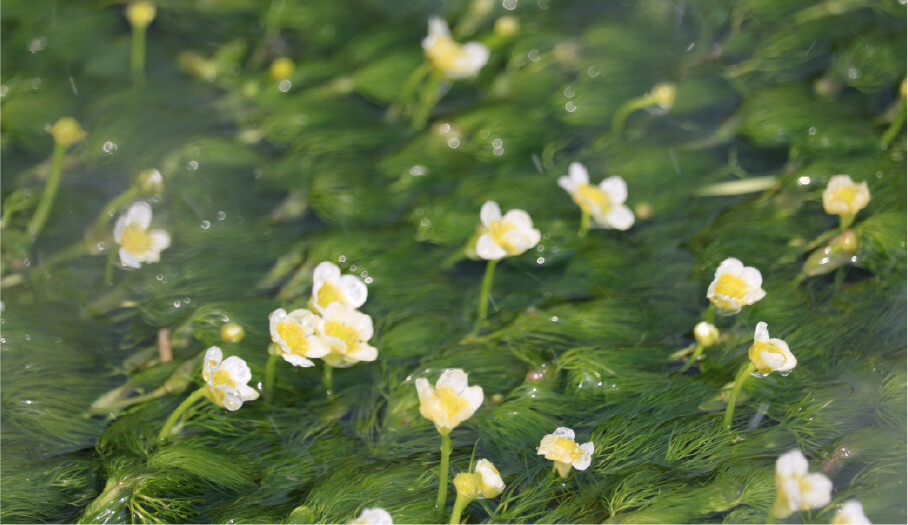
column 263, row 178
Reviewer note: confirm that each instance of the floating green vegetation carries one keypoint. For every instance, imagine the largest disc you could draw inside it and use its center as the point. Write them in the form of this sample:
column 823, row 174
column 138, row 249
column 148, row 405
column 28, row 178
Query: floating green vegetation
column 263, row 139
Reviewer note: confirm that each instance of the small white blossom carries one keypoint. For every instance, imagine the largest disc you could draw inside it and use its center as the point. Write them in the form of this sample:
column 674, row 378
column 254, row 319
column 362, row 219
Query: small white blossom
column 796, row 489
column 484, row 482
column 604, row 203
column 453, row 59
column 346, row 333
column 295, row 335
column 845, row 197
column 450, row 402
column 500, row 236
column 137, row 243
column 735, row 286
column 770, row 355
column 373, row 516
column 561, row 448
column 851, row 513
column 329, row 286
column 226, row 380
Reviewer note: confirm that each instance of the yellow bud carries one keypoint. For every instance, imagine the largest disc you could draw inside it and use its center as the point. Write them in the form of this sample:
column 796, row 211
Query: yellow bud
column 140, row 14
column 67, row 131
column 467, row 486
column 151, row 182
column 664, row 95
column 281, row 68
column 232, row 333
column 706, row 334
column 507, row 25
column 644, row 211
column 273, row 349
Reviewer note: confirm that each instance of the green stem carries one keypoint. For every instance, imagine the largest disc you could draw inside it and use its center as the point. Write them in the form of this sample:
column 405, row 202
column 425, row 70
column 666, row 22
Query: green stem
column 269, row 375
column 50, row 192
column 626, row 109
column 443, row 475
column 109, row 267
column 845, row 221
column 118, row 202
column 584, row 224
column 137, row 59
column 175, row 416
column 459, row 504
column 429, row 98
column 743, row 373
column 693, row 358
column 484, row 292
column 896, row 125
column 328, row 380
column 771, row 518
column 711, row 314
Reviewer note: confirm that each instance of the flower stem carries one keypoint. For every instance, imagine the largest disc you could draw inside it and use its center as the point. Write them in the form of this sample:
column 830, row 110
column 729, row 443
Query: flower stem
column 771, row 518
column 693, row 358
column 743, row 373
column 711, row 314
column 269, row 375
column 626, row 109
column 459, row 504
column 443, row 475
column 137, row 59
column 175, row 415
column 430, row 96
column 484, row 292
column 896, row 125
column 118, row 202
column 50, row 192
column 584, row 224
column 328, row 380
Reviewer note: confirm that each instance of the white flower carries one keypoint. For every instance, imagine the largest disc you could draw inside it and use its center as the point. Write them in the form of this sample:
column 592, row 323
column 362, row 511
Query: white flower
column 484, row 482
column 226, row 380
column 706, row 334
column 512, row 234
column 770, row 355
column 453, row 59
column 851, row 513
column 295, row 335
column 451, row 402
column 735, row 286
column 346, row 333
column 604, row 203
column 373, row 516
column 137, row 243
column 795, row 488
column 329, row 286
column 561, row 448
column 843, row 196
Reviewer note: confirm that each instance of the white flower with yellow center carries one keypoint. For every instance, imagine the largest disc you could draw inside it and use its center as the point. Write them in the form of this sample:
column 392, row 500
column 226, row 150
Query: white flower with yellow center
column 295, row 335
column 604, row 203
column 770, row 355
column 484, row 482
column 451, row 402
column 501, row 237
column 226, row 380
column 735, row 286
column 844, row 197
column 851, row 513
column 346, row 333
column 795, row 488
column 373, row 516
column 453, row 59
column 561, row 448
column 137, row 243
column 329, row 286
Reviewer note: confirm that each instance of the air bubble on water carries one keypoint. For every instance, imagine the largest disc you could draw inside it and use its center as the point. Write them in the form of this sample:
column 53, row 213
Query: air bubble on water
column 4, row 89
column 221, row 215
column 570, row 107
column 28, row 337
column 569, row 92
column 497, row 143
column 160, row 277
column 205, row 225
column 592, row 72
column 812, row 131
column 540, row 260
column 554, row 319
column 364, row 274
column 533, row 55
column 418, row 170
column 510, row 5
column 367, row 280
column 342, row 258
column 352, row 267
column 176, row 304
column 540, row 248
column 284, row 85
column 453, row 142
column 36, row 82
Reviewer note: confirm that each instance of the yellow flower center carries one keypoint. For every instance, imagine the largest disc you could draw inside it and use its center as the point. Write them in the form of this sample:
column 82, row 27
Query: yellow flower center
column 328, row 293
column 845, row 194
column 135, row 240
column 730, row 286
column 220, row 378
column 451, row 403
column 444, row 53
column 498, row 231
column 294, row 336
column 590, row 197
column 756, row 355
column 345, row 333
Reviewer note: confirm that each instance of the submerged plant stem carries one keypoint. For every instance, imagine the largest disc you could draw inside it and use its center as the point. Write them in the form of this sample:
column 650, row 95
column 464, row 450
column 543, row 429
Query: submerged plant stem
column 896, row 125
column 175, row 415
column 137, row 59
column 484, row 293
column 118, row 202
column 269, row 375
column 443, row 475
column 328, row 380
column 459, row 504
column 626, row 109
column 693, row 358
column 50, row 192
column 743, row 373
column 428, row 99
column 584, row 224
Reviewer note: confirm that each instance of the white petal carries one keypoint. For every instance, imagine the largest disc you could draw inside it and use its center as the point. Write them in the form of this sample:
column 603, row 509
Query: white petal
column 730, row 265
column 354, row 290
column 773, row 360
column 754, row 295
column 297, row 360
column 790, row 361
column 489, row 213
column 438, row 26
column 362, row 323
column 473, row 57
column 818, row 491
column 578, row 174
column 120, row 227
column 564, row 432
column 213, row 356
column 474, row 396
column 160, row 240
column 761, row 333
column 139, row 214
column 616, row 189
column 519, row 218
column 488, row 249
column 620, row 217
column 567, row 184
column 128, row 259
column 791, row 463
column 454, row 378
column 238, row 369
column 324, row 272
column 247, row 393
column 585, row 458
column 364, row 352
column 752, row 277
column 373, row 516
column 423, row 390
column 852, row 512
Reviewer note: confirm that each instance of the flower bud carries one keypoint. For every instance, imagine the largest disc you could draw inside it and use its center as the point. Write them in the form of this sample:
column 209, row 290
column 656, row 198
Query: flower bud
column 507, row 25
column 232, row 332
column 466, row 485
column 281, row 68
column 67, row 131
column 140, row 14
column 664, row 95
column 151, row 182
column 706, row 334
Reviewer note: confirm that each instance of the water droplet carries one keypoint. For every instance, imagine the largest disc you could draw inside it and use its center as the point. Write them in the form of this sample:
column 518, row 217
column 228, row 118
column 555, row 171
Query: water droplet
column 28, row 337
column 367, row 280
column 533, row 55
column 497, row 143
column 570, row 107
column 592, row 72
column 205, row 225
column 36, row 82
column 284, row 85
column 37, row 44
column 540, row 260
column 192, row 165
column 352, row 267
column 159, row 276
column 109, row 147
column 453, row 142
column 510, row 5
column 812, row 131
column 221, row 216
column 554, row 318
column 803, row 180
column 4, row 89
column 418, row 170
column 498, row 152
column 176, row 304
column 364, row 274
column 342, row 258
column 569, row 92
